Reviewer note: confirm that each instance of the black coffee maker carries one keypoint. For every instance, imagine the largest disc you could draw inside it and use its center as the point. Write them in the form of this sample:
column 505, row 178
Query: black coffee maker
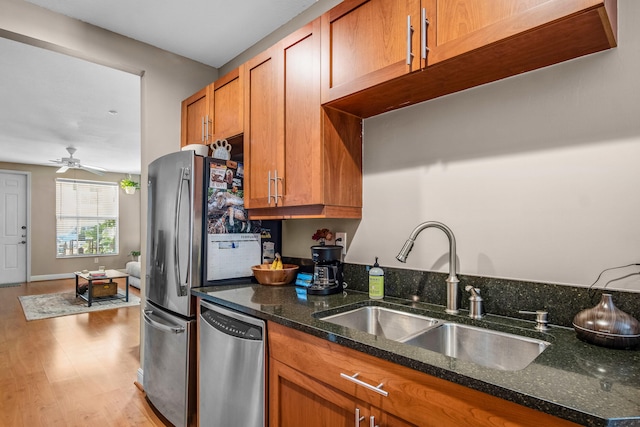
column 327, row 272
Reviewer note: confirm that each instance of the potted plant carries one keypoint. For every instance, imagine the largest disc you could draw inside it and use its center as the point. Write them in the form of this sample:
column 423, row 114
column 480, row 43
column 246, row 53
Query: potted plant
column 323, row 235
column 129, row 186
column 135, row 255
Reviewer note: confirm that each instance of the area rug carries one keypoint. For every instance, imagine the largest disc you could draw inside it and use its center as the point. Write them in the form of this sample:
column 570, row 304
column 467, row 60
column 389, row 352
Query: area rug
column 44, row 306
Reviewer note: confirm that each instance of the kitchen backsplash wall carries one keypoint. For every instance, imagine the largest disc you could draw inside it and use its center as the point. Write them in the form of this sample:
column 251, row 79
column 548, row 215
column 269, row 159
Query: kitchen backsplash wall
column 501, row 296
column 536, row 175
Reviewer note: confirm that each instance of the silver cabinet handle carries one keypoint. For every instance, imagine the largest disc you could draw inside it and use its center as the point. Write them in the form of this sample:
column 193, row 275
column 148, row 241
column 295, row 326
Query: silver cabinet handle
column 275, row 181
column 354, row 379
column 358, row 417
column 275, row 184
column 202, row 131
column 424, row 24
column 269, row 188
column 409, row 33
column 372, row 421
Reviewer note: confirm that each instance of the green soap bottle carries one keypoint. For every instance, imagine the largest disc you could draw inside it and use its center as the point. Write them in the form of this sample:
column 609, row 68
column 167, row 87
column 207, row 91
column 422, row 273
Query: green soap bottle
column 376, row 281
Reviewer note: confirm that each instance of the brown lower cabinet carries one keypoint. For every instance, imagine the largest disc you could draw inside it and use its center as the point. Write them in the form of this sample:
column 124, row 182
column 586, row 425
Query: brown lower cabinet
column 306, row 388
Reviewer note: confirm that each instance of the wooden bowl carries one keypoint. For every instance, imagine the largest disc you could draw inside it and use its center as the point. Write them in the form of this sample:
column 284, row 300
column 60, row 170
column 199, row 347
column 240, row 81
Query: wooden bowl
column 265, row 276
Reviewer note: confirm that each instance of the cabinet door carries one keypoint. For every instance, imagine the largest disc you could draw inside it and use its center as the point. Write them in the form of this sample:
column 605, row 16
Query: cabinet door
column 367, row 42
column 195, row 118
column 303, row 177
column 298, row 400
column 467, row 25
column 384, row 419
column 414, row 398
column 228, row 105
column 264, row 133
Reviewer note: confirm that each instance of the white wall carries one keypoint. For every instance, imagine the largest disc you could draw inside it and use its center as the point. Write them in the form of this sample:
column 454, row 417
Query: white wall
column 537, row 175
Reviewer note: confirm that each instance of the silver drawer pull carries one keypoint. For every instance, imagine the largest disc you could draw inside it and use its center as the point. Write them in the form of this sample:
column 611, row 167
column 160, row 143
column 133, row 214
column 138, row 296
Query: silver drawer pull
column 354, row 379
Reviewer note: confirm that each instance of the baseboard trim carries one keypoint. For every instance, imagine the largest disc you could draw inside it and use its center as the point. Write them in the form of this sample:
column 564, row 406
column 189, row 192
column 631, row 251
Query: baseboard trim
column 52, row 277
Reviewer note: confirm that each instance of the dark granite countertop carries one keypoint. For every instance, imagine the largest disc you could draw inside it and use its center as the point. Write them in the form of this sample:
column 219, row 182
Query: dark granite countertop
column 571, row 379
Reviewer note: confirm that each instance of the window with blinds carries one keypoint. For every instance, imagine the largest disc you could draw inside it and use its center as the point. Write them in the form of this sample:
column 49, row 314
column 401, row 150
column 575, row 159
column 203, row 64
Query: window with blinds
column 86, row 218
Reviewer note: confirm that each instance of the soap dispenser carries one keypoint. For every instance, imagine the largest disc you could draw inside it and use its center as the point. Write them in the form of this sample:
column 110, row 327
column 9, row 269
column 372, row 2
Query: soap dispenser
column 376, row 281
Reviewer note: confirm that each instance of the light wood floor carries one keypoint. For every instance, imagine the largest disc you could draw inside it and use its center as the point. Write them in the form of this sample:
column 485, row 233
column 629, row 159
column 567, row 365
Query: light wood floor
column 70, row 371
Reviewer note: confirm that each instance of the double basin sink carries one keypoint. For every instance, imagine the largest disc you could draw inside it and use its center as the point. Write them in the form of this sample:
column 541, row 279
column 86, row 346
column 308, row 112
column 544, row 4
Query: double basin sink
column 485, row 347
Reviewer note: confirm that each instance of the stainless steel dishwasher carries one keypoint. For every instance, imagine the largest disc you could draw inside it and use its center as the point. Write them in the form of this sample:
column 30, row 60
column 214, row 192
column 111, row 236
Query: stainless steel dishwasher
column 231, row 368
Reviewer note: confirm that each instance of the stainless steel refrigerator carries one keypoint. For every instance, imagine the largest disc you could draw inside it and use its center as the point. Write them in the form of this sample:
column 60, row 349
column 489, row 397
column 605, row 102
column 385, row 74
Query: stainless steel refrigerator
column 173, row 263
column 198, row 234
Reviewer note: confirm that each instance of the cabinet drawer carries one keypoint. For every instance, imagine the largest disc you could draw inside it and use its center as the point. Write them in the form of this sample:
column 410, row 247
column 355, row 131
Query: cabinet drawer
column 413, row 396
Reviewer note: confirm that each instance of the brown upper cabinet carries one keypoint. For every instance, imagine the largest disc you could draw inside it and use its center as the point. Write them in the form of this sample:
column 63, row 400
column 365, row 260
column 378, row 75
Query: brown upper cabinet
column 228, row 105
column 301, row 161
column 214, row 112
column 367, row 42
column 380, row 55
column 263, row 134
column 196, row 118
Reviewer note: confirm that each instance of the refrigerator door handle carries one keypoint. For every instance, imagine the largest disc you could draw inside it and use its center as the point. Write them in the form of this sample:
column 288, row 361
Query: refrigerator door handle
column 154, row 323
column 185, row 175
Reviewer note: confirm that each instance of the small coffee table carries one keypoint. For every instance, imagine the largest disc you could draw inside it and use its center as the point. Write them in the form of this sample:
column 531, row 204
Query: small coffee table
column 109, row 275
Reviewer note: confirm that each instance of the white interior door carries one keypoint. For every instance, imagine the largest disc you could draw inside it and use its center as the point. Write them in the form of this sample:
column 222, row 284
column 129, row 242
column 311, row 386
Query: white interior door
column 13, row 227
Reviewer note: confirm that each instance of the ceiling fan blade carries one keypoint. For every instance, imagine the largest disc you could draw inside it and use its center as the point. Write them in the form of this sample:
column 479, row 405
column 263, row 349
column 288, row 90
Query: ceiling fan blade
column 63, row 169
column 93, row 169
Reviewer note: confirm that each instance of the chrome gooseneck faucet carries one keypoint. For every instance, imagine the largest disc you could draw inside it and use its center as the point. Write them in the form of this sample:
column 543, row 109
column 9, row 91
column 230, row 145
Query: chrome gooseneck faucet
column 452, row 280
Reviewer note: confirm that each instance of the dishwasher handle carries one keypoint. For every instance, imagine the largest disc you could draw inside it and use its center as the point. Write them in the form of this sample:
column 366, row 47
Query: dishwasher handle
column 161, row 326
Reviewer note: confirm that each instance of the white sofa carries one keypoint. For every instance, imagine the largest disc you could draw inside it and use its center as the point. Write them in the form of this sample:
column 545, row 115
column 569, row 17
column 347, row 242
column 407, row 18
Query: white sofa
column 133, row 270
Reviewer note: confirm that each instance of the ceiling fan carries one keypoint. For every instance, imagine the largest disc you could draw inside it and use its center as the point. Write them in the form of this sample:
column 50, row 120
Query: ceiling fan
column 73, row 163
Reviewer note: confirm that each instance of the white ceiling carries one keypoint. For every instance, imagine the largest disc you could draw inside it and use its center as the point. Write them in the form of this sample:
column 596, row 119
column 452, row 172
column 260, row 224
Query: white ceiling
column 59, row 101
column 209, row 31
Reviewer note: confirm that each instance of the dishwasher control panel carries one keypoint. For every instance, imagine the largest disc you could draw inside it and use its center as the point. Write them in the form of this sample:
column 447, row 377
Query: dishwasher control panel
column 231, row 326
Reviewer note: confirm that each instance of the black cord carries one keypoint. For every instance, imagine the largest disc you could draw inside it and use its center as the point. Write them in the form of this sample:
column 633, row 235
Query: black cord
column 592, row 292
column 620, row 278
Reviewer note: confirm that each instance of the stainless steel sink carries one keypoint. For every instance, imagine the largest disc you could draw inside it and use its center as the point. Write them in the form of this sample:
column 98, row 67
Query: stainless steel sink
column 496, row 350
column 382, row 321
column 485, row 347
